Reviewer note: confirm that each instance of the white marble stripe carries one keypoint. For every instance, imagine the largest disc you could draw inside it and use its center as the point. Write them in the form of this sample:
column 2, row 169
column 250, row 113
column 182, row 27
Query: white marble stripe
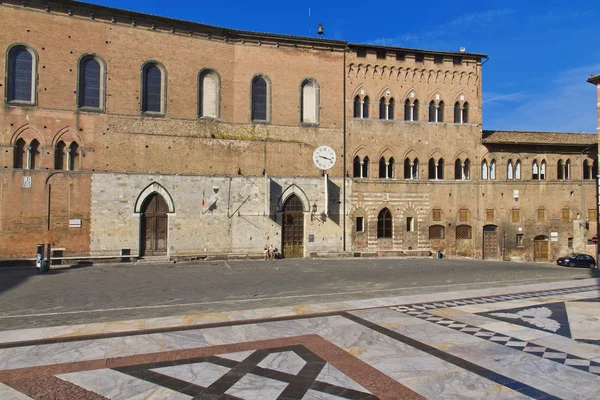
column 8, row 393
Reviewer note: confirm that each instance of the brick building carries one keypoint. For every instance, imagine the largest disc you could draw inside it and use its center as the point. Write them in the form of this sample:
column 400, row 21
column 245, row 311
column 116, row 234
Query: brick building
column 200, row 141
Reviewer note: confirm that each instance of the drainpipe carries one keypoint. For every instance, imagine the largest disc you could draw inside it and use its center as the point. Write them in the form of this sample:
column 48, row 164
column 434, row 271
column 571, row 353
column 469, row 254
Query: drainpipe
column 344, row 150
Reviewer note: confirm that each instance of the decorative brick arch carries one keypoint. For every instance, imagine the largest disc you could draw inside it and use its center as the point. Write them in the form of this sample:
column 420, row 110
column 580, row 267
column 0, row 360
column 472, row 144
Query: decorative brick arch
column 154, row 187
column 68, row 136
column 294, row 190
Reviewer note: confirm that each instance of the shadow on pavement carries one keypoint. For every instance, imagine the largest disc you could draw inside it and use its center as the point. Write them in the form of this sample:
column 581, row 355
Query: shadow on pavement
column 10, row 277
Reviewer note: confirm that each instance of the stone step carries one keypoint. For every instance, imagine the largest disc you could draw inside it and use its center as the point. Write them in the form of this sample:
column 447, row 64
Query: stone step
column 154, row 260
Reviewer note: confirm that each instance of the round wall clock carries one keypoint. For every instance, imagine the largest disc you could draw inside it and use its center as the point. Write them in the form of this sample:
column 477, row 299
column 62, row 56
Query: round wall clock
column 324, row 157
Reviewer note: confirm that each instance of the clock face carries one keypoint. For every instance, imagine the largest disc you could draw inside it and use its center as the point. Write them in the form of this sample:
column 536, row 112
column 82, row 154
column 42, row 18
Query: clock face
column 324, row 157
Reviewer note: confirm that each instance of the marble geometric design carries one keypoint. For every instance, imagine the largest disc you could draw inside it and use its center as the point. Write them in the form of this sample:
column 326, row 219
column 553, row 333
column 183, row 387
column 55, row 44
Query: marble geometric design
column 548, row 353
column 280, row 373
column 550, row 317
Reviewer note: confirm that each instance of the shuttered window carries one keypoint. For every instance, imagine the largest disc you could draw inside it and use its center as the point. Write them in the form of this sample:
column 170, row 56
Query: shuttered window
column 437, row 215
column 259, row 99
column 516, row 215
column 566, row 215
column 463, row 215
column 592, row 215
column 89, row 83
column 489, row 215
column 20, row 75
column 152, row 89
column 541, row 215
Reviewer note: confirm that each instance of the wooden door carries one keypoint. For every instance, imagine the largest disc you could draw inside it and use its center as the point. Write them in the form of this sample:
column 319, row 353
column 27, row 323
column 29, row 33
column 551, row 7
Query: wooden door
column 540, row 249
column 293, row 228
column 154, row 226
column 490, row 242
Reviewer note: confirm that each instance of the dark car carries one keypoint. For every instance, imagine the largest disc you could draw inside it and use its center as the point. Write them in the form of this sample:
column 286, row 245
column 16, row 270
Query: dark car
column 577, row 260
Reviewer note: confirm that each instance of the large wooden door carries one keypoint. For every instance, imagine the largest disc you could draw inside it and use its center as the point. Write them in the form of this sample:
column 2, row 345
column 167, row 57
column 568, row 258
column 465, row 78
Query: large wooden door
column 540, row 249
column 293, row 228
column 154, row 226
column 490, row 242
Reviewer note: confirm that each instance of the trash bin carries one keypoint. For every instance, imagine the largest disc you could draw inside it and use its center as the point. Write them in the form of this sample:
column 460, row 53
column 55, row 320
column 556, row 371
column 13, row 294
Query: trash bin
column 438, row 254
column 40, row 263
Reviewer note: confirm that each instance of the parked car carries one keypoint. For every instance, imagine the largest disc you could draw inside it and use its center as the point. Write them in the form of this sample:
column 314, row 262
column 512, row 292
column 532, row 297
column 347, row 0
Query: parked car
column 577, row 260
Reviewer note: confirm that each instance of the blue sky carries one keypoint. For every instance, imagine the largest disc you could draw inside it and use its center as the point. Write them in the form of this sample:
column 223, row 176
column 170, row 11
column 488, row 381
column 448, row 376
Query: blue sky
column 540, row 52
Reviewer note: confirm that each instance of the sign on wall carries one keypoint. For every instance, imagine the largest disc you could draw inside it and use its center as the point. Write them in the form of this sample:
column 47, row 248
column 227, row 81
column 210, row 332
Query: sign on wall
column 27, row 181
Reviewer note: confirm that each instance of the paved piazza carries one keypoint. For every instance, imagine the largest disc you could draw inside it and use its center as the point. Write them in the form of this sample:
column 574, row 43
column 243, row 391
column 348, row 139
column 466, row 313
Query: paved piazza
column 539, row 341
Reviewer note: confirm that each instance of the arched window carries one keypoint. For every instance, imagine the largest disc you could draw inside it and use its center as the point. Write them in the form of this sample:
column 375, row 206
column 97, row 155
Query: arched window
column 357, row 107
column 152, row 89
column 560, row 170
column 357, row 168
column 208, row 94
column 60, row 156
column 440, row 169
column 510, row 170
column 543, row 170
column 390, row 168
column 535, row 171
column 20, row 156
column 518, row 170
column 465, row 113
column 493, row 170
column 21, row 75
column 568, row 170
column 431, row 168
column 365, row 108
column 457, row 113
column 384, row 224
column 586, row 170
column 259, row 99
column 382, row 168
column 467, row 170
column 382, row 109
column 365, row 167
column 484, row 170
column 310, row 102
column 33, row 156
column 390, row 108
column 440, row 112
column 407, row 169
column 415, row 111
column 91, row 93
column 73, row 158
column 407, row 111
column 415, row 169
column 458, row 169
column 461, row 169
column 432, row 112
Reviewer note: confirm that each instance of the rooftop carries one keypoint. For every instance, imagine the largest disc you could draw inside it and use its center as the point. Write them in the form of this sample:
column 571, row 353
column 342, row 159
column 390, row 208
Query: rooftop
column 595, row 79
column 543, row 138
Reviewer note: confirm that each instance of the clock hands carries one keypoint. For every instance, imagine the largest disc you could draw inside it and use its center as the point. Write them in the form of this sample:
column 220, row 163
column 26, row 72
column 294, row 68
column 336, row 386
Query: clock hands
column 327, row 158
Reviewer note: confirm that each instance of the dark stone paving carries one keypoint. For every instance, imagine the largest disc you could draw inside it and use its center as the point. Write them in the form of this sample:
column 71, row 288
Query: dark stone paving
column 127, row 291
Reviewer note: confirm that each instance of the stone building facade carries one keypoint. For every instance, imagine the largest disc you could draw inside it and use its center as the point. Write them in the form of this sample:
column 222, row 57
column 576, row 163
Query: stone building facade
column 200, row 141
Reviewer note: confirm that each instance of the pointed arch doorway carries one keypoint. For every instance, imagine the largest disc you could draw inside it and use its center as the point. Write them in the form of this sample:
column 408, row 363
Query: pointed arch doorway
column 293, row 228
column 154, row 223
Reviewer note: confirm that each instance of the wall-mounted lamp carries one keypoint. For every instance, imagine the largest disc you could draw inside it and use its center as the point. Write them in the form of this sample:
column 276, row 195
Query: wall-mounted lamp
column 215, row 189
column 313, row 211
column 516, row 195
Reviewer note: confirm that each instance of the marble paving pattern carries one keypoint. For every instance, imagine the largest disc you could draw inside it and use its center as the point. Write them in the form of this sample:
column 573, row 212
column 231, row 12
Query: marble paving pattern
column 540, row 341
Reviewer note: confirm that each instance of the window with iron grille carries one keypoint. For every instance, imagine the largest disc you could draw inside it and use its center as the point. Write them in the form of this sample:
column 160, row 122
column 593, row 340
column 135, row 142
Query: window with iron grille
column 463, row 215
column 437, row 232
column 541, row 215
column 489, row 215
column 566, row 215
column 516, row 215
column 437, row 215
column 464, row 232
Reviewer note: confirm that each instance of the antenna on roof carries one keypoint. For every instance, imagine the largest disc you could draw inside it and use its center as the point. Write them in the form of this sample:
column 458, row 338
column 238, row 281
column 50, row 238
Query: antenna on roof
column 309, row 23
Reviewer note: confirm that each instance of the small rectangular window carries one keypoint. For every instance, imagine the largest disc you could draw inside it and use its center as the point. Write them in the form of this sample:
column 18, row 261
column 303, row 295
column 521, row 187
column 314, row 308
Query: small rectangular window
column 360, row 227
column 457, row 60
column 400, row 56
column 410, row 224
column 381, row 54
column 566, row 215
column 437, row 215
column 541, row 215
column 592, row 215
column 516, row 216
column 519, row 240
column 362, row 53
column 570, row 243
column 438, row 59
column 419, row 58
column 489, row 215
column 464, row 215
